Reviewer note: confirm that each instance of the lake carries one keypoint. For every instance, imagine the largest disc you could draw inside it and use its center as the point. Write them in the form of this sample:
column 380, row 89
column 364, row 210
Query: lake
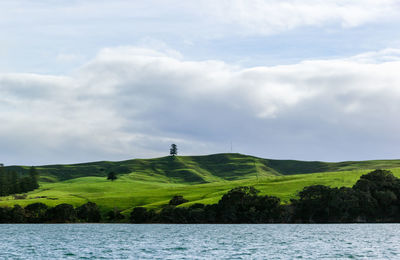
column 272, row 241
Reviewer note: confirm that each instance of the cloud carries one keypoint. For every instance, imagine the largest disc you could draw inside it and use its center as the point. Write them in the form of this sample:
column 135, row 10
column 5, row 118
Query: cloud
column 381, row 56
column 266, row 17
column 133, row 102
column 42, row 37
column 205, row 18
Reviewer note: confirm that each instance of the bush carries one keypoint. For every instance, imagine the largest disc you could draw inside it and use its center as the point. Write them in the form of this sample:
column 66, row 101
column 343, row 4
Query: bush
column 139, row 215
column 177, row 200
column 89, row 212
column 36, row 212
column 63, row 213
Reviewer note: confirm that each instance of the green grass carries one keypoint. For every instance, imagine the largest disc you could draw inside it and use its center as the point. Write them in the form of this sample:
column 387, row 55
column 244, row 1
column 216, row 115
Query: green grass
column 179, row 169
column 200, row 179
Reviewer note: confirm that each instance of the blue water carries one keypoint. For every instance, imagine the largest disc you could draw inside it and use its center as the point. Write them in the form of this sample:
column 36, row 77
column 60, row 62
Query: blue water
column 120, row 241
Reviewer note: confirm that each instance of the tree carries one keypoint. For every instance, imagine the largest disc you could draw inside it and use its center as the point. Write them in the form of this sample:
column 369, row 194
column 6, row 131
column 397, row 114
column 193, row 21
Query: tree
column 114, row 215
column 139, row 215
column 36, row 212
column 382, row 190
column 173, row 150
column 111, row 176
column 89, row 212
column 17, row 214
column 177, row 200
column 62, row 213
column 5, row 215
column 14, row 183
column 4, row 183
column 235, row 204
column 33, row 174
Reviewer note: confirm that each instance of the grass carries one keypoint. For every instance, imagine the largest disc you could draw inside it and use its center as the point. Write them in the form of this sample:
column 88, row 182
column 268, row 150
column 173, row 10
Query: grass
column 200, row 179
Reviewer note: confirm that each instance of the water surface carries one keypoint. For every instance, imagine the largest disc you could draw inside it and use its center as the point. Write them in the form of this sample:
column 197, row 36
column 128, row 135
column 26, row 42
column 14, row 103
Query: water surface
column 124, row 241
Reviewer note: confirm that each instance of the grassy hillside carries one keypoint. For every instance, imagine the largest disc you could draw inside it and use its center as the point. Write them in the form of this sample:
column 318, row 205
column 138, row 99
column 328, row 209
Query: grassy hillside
column 179, row 169
column 200, row 169
column 152, row 182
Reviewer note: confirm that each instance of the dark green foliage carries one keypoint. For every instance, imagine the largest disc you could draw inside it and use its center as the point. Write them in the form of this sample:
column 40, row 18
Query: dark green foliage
column 374, row 198
column 177, row 200
column 36, row 212
column 173, row 150
column 114, row 215
column 377, row 180
column 18, row 214
column 12, row 215
column 139, row 215
column 234, row 205
column 41, row 213
column 121, row 169
column 243, row 205
column 89, row 212
column 112, row 176
column 197, row 213
column 5, row 215
column 62, row 213
column 381, row 194
column 4, row 183
column 32, row 180
column 12, row 183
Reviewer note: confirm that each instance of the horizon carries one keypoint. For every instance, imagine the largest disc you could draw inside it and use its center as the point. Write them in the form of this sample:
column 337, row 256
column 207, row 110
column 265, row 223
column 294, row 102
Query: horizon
column 84, row 81
column 191, row 155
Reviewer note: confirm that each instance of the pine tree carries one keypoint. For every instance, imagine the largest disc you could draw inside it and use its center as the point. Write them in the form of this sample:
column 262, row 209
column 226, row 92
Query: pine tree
column 173, row 150
column 14, row 183
column 4, row 187
column 33, row 174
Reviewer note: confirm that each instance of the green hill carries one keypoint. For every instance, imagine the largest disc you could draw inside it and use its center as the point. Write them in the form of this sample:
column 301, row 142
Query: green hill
column 152, row 182
column 179, row 169
column 200, row 169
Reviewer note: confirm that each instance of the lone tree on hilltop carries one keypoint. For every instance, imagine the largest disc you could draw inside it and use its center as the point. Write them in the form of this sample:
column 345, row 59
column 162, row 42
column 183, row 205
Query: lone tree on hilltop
column 111, row 176
column 173, row 150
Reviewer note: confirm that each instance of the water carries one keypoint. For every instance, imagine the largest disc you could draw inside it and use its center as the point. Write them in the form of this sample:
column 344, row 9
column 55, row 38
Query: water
column 120, row 241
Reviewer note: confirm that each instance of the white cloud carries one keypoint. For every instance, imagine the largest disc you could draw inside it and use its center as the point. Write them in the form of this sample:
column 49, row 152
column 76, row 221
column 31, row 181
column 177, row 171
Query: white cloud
column 386, row 55
column 131, row 101
column 200, row 17
column 44, row 37
column 265, row 17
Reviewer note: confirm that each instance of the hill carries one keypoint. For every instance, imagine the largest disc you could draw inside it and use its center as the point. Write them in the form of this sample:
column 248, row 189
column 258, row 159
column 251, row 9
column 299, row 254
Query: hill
column 200, row 169
column 152, row 182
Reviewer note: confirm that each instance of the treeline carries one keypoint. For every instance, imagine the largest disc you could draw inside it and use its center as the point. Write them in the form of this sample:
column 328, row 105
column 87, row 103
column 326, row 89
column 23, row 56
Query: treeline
column 374, row 198
column 12, row 182
column 41, row 213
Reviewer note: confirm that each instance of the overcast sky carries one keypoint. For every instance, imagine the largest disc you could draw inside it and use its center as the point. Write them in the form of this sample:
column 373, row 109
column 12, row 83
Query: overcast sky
column 88, row 80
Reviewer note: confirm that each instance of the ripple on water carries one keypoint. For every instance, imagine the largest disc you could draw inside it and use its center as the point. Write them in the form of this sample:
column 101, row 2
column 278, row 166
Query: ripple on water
column 123, row 241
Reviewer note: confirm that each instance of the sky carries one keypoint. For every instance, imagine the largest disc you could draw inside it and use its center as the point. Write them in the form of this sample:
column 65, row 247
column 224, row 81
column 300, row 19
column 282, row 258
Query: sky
column 86, row 80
